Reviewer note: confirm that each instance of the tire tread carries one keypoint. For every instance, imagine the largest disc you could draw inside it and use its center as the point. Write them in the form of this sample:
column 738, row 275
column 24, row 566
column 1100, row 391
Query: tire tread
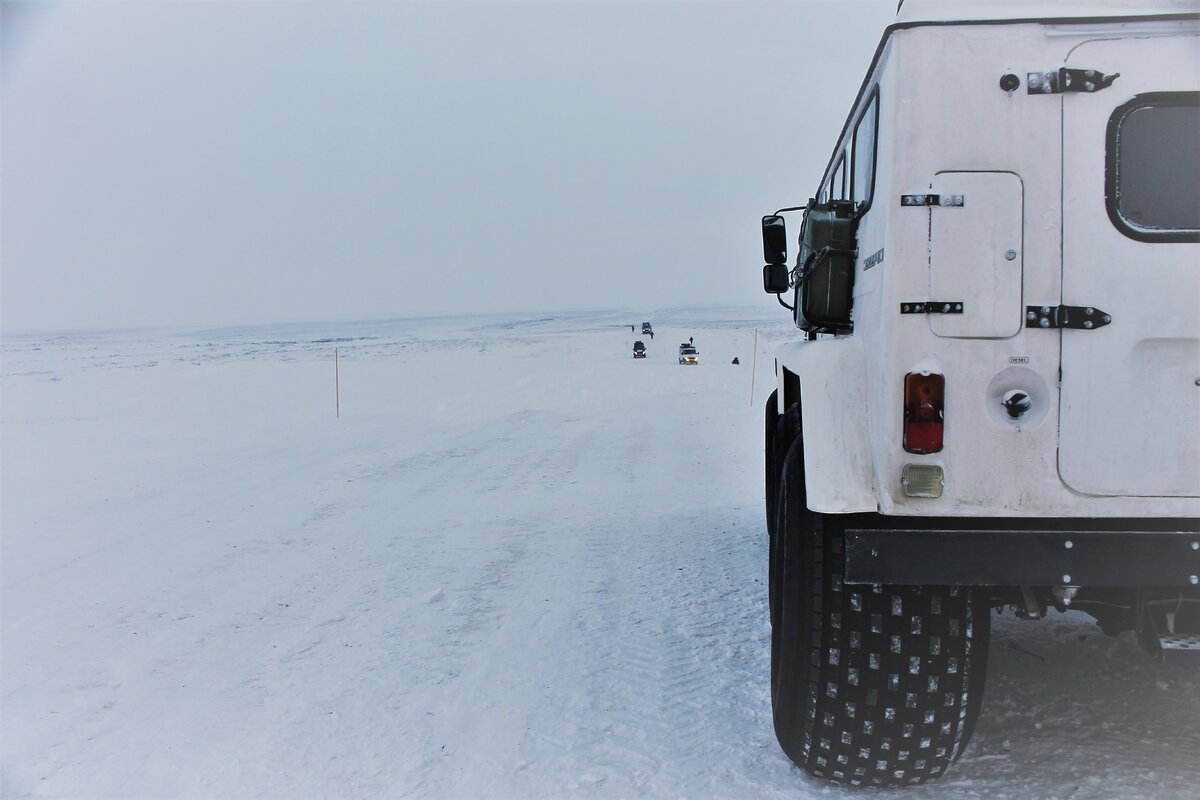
column 886, row 687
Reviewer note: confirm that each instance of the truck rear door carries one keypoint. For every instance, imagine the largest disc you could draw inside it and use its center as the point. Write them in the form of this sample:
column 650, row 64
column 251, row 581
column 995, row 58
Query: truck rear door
column 1129, row 415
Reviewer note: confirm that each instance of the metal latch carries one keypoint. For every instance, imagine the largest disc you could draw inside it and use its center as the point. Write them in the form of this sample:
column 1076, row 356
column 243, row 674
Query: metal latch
column 932, row 307
column 1068, row 80
column 1085, row 317
column 932, row 200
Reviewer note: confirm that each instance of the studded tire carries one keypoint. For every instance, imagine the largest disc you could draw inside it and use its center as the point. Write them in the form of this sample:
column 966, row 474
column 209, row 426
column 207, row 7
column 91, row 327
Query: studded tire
column 871, row 685
column 780, row 438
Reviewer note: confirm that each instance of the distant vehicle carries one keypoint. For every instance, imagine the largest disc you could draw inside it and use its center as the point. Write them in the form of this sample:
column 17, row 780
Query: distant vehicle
column 639, row 349
column 688, row 354
column 646, row 328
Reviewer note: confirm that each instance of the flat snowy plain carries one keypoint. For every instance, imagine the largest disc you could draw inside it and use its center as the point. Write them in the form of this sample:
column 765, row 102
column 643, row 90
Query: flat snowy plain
column 521, row 564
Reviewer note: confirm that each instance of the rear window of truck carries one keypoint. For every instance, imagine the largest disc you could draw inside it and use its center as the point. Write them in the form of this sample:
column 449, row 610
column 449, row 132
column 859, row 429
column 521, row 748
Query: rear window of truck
column 1152, row 176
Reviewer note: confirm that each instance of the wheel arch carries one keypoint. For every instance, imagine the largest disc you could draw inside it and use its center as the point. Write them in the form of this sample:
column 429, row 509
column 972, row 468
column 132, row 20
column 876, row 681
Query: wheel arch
column 827, row 378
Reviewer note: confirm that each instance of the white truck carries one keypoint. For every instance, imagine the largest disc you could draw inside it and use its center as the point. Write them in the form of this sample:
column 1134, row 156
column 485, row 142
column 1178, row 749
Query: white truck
column 994, row 399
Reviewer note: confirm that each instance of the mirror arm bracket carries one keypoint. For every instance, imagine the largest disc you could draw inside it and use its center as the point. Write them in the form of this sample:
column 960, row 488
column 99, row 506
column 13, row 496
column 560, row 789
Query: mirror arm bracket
column 779, row 297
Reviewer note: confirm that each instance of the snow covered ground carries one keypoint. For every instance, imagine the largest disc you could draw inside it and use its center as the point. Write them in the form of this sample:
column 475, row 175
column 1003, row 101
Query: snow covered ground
column 521, row 564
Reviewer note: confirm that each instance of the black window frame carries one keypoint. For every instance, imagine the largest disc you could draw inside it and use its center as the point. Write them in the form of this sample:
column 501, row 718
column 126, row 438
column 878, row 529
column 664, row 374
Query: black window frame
column 836, row 191
column 1111, row 167
column 845, row 151
column 872, row 100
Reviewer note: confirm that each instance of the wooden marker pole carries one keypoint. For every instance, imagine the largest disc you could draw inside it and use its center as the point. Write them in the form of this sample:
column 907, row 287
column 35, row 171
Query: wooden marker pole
column 753, row 367
column 337, row 385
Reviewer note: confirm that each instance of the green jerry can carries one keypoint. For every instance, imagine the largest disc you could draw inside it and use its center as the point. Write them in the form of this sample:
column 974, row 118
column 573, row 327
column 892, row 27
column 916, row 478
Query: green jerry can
column 825, row 267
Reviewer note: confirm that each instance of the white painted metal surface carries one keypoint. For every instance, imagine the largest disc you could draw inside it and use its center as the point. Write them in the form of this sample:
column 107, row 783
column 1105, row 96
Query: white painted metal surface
column 837, row 453
column 1130, row 408
column 975, row 255
column 958, row 10
column 946, row 126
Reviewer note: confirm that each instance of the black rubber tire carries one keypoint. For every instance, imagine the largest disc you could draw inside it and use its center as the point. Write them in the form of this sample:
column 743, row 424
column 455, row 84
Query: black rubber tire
column 771, row 468
column 871, row 685
column 787, row 433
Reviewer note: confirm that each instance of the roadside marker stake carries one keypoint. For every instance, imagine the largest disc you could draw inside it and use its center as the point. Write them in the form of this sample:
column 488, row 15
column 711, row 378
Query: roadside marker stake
column 753, row 366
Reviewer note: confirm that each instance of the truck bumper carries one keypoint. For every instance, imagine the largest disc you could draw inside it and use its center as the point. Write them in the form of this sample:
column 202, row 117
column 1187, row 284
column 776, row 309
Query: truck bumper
column 1098, row 553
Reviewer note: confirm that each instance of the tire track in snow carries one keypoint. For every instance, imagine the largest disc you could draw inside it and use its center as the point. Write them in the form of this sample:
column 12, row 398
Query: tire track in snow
column 670, row 624
column 495, row 610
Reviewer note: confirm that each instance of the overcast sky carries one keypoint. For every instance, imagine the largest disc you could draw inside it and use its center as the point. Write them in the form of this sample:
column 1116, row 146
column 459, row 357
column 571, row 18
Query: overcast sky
column 213, row 163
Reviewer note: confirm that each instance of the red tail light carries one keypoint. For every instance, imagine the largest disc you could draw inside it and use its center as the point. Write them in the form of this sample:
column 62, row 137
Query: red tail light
column 924, row 396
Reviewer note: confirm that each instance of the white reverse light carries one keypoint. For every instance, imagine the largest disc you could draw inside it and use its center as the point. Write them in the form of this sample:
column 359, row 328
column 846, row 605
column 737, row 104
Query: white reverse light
column 922, row 480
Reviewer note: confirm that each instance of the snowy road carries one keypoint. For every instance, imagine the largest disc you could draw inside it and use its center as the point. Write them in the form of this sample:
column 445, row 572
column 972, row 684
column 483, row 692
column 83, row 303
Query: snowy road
column 521, row 564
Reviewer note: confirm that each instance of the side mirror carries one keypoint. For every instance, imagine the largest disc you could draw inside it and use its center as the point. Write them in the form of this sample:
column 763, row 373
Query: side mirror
column 774, row 234
column 775, row 279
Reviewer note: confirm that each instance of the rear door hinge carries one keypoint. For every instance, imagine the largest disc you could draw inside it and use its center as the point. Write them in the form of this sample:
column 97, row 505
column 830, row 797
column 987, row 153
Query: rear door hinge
column 1068, row 80
column 932, row 307
column 955, row 200
column 1082, row 317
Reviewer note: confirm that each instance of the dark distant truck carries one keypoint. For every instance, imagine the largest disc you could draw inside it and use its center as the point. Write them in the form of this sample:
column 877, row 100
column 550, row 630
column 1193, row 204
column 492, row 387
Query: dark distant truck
column 639, row 349
column 646, row 328
column 993, row 400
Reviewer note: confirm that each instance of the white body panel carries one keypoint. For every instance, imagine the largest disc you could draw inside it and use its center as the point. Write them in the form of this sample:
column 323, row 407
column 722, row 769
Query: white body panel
column 946, row 126
column 957, row 10
column 975, row 255
column 1137, row 383
column 836, row 394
